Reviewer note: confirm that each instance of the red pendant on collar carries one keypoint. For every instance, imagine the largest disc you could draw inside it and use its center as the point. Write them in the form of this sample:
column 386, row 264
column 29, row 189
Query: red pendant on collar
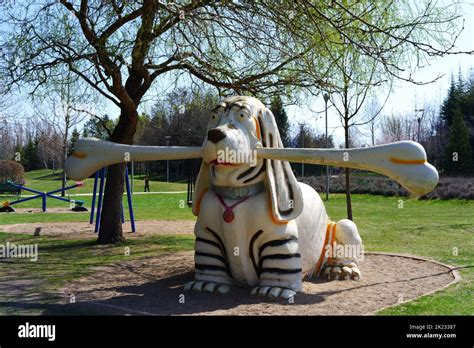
column 228, row 215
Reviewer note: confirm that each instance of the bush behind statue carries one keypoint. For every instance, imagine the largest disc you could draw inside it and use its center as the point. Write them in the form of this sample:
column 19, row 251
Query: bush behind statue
column 448, row 187
column 11, row 170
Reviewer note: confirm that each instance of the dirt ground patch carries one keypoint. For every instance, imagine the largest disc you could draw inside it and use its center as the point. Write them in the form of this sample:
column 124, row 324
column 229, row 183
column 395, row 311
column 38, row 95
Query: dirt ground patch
column 154, row 286
column 83, row 230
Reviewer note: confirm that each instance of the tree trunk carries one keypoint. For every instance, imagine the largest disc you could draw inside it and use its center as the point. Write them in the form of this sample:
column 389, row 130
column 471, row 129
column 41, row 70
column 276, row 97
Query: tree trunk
column 110, row 231
column 63, row 176
column 348, row 194
column 348, row 172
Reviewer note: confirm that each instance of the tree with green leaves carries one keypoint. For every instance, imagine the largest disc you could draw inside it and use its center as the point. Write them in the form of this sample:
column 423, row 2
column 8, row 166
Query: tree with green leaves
column 99, row 127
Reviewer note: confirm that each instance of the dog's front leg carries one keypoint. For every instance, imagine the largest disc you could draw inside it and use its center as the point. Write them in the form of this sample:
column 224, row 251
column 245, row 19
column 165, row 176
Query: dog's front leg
column 212, row 271
column 279, row 268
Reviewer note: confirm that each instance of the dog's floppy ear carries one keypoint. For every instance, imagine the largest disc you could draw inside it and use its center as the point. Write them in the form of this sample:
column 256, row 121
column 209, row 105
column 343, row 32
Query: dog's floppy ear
column 285, row 193
column 202, row 185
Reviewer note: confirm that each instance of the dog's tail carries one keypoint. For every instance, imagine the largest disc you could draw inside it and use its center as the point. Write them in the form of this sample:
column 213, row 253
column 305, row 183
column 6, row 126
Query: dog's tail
column 329, row 240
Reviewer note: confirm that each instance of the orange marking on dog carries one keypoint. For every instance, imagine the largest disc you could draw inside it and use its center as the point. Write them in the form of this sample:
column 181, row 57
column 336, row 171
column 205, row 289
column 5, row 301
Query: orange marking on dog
column 257, row 126
column 198, row 203
column 321, row 257
column 333, row 236
column 409, row 162
column 80, row 155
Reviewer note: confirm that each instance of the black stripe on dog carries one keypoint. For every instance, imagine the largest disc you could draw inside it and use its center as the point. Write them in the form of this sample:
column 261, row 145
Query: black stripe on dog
column 219, row 106
column 262, row 131
column 280, row 270
column 276, row 257
column 247, row 172
column 222, row 247
column 274, row 243
column 217, row 257
column 210, row 242
column 251, row 244
column 262, row 169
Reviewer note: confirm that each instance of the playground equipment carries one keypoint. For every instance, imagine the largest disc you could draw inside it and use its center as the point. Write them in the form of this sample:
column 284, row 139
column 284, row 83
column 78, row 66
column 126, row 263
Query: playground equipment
column 246, row 195
column 76, row 205
column 191, row 170
column 99, row 180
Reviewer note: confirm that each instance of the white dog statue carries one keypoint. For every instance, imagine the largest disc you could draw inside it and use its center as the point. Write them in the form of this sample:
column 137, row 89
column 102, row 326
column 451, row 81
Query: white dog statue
column 257, row 226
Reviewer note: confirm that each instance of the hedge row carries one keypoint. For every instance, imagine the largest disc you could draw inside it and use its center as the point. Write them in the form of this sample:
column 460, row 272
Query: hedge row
column 448, row 187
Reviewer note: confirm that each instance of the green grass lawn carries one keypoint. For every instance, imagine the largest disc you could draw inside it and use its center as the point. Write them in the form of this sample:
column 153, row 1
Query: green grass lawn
column 432, row 229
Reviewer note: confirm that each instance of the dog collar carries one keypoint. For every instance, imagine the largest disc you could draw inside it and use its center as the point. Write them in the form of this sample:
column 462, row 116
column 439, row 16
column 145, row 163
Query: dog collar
column 232, row 192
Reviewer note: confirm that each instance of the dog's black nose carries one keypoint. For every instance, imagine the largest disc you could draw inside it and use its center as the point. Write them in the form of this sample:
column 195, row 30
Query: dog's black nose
column 215, row 135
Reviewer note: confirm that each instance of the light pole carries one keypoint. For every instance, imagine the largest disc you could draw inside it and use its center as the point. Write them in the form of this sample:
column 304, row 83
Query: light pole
column 302, row 146
column 419, row 119
column 326, row 99
column 168, row 137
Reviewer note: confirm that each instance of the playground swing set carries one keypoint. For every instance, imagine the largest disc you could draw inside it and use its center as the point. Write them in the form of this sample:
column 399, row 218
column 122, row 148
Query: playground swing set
column 99, row 183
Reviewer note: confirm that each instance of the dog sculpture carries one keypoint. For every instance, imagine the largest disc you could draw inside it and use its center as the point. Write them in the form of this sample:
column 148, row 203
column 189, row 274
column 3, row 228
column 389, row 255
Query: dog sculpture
column 257, row 226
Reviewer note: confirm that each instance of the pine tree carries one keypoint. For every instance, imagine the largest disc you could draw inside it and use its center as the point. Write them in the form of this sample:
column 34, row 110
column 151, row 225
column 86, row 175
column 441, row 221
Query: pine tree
column 72, row 142
column 459, row 152
column 281, row 119
column 29, row 156
column 450, row 103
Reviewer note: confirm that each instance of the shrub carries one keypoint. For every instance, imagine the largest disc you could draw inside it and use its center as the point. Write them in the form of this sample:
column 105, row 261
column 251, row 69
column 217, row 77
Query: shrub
column 11, row 170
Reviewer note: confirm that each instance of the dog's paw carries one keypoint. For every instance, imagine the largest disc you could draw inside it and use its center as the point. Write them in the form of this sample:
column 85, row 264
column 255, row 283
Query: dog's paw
column 342, row 272
column 207, row 287
column 273, row 292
